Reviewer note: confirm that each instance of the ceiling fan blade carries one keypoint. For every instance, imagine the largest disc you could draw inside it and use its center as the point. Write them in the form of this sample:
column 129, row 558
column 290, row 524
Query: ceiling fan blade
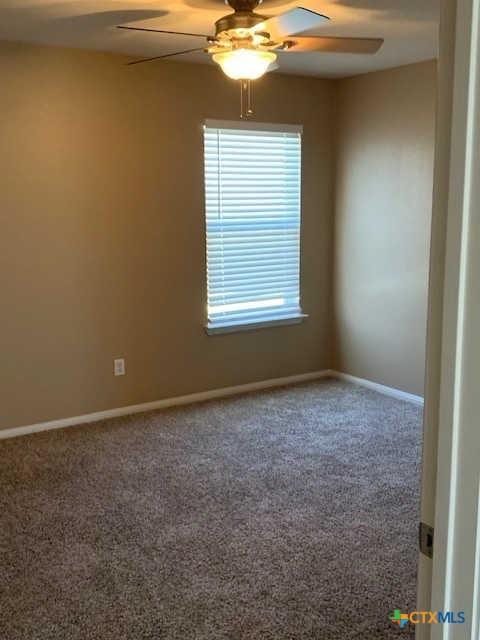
column 291, row 22
column 333, row 45
column 166, row 55
column 174, row 33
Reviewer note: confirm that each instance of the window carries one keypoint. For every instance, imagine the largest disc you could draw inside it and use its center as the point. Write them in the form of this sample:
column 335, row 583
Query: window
column 252, row 208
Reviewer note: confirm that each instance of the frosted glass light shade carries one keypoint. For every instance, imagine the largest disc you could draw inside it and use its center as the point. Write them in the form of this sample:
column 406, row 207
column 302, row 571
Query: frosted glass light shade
column 244, row 64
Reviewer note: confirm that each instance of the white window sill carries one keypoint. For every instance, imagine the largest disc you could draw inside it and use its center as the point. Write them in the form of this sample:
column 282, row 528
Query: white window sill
column 216, row 329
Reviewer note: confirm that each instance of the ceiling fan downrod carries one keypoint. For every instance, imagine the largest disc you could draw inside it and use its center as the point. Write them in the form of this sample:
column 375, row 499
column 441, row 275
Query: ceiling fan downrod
column 243, row 5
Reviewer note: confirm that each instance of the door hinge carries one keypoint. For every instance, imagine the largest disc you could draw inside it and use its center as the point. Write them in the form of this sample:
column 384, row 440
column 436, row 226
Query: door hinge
column 425, row 538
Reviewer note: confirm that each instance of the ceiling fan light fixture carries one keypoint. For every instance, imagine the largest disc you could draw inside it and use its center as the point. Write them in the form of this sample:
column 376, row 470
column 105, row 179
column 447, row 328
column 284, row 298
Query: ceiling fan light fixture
column 244, row 64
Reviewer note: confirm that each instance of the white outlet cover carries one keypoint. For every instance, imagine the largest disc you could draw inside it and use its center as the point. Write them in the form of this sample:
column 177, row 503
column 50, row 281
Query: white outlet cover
column 119, row 367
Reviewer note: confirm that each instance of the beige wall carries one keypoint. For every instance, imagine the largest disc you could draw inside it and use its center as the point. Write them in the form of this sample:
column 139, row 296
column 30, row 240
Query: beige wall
column 384, row 178
column 102, row 242
column 102, row 232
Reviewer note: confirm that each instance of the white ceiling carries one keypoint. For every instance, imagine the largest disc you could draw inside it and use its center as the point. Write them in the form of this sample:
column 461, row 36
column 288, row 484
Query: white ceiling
column 409, row 28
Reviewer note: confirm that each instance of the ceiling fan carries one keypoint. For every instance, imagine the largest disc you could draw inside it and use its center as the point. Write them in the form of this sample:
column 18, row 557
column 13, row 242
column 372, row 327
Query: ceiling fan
column 246, row 44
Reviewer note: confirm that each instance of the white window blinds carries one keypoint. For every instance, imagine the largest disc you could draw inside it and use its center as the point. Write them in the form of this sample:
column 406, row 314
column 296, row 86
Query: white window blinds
column 252, row 194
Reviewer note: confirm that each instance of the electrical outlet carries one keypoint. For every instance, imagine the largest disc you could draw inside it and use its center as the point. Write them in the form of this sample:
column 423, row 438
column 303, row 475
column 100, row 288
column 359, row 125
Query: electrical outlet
column 119, row 367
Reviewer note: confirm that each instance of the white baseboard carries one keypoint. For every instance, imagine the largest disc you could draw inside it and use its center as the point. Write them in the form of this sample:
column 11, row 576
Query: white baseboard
column 206, row 395
column 375, row 386
column 162, row 404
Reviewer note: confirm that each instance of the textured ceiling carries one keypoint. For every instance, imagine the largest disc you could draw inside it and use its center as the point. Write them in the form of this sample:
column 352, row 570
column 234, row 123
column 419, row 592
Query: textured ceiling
column 409, row 28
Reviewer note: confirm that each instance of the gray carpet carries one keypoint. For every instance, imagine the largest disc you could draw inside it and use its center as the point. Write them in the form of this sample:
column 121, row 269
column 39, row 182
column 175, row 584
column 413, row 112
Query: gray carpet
column 283, row 515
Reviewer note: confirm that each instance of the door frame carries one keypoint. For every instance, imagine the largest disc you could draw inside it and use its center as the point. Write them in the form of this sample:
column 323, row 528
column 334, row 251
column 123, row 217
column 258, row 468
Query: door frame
column 456, row 198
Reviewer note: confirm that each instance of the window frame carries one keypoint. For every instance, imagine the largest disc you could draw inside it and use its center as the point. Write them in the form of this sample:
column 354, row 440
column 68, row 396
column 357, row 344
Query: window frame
column 242, row 325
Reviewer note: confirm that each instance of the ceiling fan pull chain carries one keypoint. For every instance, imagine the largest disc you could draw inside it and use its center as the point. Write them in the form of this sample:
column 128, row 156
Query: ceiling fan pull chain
column 242, row 82
column 246, row 109
column 249, row 98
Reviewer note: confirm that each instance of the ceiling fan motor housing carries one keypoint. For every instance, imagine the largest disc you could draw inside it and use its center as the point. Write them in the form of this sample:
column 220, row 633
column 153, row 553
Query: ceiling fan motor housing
column 238, row 21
